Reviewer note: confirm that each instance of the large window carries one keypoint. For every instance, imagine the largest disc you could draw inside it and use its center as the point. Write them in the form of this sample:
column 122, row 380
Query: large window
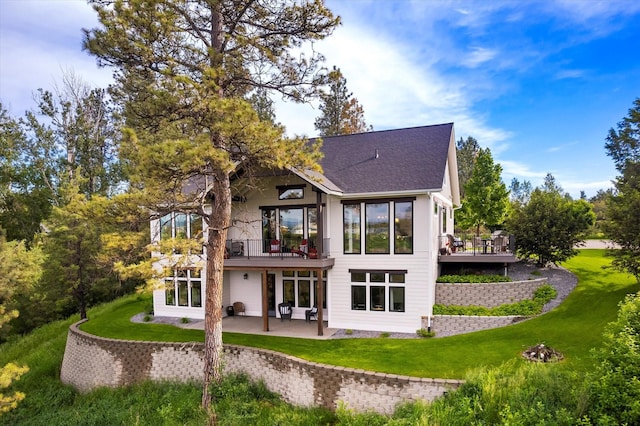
column 300, row 283
column 352, row 228
column 184, row 288
column 181, row 226
column 378, row 290
column 290, row 225
column 377, row 228
column 403, row 227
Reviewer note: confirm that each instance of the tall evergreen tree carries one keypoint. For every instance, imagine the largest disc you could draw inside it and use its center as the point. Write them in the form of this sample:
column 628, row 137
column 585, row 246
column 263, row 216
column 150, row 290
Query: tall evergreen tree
column 623, row 221
column 467, row 151
column 341, row 114
column 183, row 69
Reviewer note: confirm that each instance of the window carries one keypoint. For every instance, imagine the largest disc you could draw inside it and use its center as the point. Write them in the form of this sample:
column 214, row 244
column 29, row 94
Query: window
column 290, row 192
column 358, row 297
column 377, row 228
column 312, row 225
column 196, row 288
column 181, row 226
column 396, row 299
column 378, row 290
column 169, row 293
column 396, row 277
column 377, row 298
column 289, row 292
column 376, row 277
column 351, row 221
column 358, row 277
column 291, row 226
column 184, row 288
column 269, row 228
column 403, row 227
column 304, row 293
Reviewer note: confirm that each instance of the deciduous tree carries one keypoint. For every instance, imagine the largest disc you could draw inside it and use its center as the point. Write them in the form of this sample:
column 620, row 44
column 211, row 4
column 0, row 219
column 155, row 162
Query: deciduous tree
column 486, row 199
column 19, row 269
column 183, row 69
column 550, row 225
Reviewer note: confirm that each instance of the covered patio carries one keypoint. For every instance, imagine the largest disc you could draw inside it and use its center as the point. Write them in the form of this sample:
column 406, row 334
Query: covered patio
column 254, row 325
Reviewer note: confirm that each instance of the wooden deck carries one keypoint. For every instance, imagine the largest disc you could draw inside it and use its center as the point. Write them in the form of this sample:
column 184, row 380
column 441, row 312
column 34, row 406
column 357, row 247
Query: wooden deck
column 473, row 257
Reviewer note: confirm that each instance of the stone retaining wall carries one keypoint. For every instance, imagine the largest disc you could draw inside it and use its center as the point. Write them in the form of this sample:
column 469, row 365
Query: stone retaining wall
column 450, row 325
column 90, row 362
column 489, row 295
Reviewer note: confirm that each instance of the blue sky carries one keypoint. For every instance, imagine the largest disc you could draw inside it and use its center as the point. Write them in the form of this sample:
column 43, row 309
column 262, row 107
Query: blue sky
column 540, row 83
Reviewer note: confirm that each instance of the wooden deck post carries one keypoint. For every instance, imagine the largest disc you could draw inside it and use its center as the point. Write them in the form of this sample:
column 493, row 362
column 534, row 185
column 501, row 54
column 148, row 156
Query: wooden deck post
column 265, row 302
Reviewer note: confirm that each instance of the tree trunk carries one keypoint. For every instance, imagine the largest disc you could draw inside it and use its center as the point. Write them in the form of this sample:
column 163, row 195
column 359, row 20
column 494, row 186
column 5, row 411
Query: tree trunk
column 219, row 219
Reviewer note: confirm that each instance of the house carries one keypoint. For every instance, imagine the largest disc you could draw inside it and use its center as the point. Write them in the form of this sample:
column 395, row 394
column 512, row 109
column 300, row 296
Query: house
column 361, row 241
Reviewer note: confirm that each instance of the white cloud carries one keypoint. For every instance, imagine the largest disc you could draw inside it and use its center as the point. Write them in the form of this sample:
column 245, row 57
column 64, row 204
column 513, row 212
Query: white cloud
column 478, row 56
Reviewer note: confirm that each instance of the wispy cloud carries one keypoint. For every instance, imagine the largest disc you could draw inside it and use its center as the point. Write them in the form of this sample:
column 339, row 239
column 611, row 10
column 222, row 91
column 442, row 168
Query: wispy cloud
column 478, row 56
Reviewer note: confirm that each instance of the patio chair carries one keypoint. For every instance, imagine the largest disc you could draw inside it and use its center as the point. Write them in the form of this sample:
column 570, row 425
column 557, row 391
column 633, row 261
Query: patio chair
column 285, row 311
column 237, row 248
column 274, row 247
column 238, row 308
column 302, row 250
column 311, row 313
column 499, row 244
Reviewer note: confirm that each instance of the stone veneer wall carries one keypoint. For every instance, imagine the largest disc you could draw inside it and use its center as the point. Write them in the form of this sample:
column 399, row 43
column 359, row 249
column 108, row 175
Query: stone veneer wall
column 489, row 295
column 450, row 325
column 90, row 362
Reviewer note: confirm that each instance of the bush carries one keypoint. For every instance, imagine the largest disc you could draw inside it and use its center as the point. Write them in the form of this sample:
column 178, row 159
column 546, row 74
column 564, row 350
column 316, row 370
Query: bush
column 524, row 308
column 529, row 394
column 614, row 386
column 473, row 279
column 423, row 332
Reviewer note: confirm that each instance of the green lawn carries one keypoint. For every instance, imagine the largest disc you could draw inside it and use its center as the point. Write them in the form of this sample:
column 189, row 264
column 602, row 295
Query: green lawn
column 573, row 328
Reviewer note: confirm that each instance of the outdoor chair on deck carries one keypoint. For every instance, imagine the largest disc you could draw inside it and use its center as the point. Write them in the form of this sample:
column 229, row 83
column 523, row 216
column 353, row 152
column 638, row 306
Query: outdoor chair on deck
column 313, row 253
column 311, row 313
column 285, row 311
column 302, row 250
column 274, row 247
column 238, row 308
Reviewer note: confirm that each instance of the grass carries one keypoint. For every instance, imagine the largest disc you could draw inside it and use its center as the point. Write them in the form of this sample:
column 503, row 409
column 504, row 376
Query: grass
column 573, row 329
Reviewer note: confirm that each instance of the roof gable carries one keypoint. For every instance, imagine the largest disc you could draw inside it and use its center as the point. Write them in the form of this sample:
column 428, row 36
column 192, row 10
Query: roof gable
column 412, row 159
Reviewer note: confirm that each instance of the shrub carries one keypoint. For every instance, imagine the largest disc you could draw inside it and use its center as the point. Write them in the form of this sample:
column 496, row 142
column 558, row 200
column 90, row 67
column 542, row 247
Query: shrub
column 473, row 279
column 185, row 320
column 385, row 334
column 614, row 386
column 423, row 332
column 524, row 308
column 147, row 318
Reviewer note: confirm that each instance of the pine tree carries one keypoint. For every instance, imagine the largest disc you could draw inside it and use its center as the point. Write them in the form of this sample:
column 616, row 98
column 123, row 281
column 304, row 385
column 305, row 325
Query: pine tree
column 341, row 113
column 183, row 70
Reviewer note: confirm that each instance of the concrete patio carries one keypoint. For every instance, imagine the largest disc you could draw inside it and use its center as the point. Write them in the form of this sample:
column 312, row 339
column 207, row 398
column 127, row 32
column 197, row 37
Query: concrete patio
column 253, row 325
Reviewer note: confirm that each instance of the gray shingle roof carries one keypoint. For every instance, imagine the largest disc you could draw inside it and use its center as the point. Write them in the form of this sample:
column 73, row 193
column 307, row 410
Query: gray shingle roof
column 407, row 159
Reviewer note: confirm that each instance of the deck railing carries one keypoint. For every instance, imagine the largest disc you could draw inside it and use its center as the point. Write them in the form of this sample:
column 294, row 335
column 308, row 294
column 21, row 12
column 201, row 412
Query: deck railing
column 248, row 248
column 477, row 245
